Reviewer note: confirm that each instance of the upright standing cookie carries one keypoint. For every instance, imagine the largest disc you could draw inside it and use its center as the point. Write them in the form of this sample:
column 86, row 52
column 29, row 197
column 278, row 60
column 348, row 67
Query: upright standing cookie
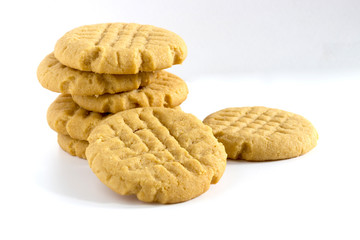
column 167, row 90
column 59, row 78
column 260, row 133
column 160, row 154
column 120, row 48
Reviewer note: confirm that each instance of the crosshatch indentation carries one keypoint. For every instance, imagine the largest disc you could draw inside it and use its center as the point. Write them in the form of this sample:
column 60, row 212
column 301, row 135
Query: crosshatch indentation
column 252, row 121
column 127, row 36
column 158, row 131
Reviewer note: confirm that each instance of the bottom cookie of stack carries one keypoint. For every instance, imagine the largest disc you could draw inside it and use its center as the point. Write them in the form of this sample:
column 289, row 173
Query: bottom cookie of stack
column 73, row 146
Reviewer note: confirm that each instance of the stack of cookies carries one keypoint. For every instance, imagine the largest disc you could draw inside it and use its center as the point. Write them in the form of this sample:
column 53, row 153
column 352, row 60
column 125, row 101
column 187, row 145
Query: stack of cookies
column 117, row 110
column 103, row 69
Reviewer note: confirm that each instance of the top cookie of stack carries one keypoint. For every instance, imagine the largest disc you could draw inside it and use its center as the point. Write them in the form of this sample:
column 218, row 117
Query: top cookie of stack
column 120, row 48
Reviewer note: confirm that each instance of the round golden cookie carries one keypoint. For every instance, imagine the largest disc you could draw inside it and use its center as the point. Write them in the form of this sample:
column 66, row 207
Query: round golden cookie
column 120, row 48
column 57, row 77
column 67, row 118
column 260, row 133
column 167, row 90
column 73, row 146
column 64, row 116
column 160, row 154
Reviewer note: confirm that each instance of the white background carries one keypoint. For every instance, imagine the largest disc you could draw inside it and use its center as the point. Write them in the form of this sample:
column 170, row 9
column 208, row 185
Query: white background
column 300, row 56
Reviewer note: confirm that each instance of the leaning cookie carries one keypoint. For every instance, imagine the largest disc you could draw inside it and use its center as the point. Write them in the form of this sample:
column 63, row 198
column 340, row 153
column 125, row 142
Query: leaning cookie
column 57, row 77
column 120, row 48
column 160, row 154
column 167, row 90
column 260, row 133
column 73, row 146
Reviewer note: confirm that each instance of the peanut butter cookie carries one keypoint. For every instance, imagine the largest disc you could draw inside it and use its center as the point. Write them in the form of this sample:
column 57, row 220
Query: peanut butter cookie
column 57, row 77
column 260, row 133
column 67, row 118
column 73, row 146
column 167, row 90
column 120, row 48
column 160, row 154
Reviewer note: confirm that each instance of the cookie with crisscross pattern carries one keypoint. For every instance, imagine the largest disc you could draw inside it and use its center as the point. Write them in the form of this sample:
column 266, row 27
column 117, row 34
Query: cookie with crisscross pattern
column 59, row 78
column 67, row 118
column 160, row 154
column 120, row 48
column 260, row 133
column 167, row 90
